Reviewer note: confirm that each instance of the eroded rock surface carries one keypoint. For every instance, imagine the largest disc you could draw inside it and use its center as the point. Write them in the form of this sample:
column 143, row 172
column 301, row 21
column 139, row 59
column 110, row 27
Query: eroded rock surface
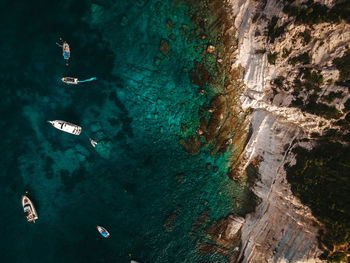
column 282, row 229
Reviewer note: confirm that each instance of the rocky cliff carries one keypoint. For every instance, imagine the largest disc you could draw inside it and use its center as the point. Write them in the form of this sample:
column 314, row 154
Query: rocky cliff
column 277, row 53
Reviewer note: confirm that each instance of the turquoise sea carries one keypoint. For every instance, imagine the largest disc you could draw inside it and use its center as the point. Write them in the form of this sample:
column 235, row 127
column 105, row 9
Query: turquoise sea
column 138, row 182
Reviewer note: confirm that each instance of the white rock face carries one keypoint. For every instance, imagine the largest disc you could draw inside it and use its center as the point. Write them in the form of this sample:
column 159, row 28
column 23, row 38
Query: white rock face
column 282, row 229
column 234, row 226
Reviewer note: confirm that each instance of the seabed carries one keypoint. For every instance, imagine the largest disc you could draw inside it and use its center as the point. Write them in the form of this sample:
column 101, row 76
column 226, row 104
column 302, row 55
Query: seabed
column 138, row 182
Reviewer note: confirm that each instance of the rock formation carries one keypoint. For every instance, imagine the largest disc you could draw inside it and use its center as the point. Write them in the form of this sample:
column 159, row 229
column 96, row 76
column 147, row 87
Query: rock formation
column 281, row 229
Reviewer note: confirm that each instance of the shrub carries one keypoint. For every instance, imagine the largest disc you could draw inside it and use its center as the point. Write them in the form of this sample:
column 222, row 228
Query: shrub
column 333, row 95
column 260, row 51
column 279, row 81
column 274, row 31
column 286, row 52
column 320, row 109
column 316, row 13
column 343, row 65
column 313, row 77
column 321, row 179
column 306, row 35
column 303, row 58
column 271, row 58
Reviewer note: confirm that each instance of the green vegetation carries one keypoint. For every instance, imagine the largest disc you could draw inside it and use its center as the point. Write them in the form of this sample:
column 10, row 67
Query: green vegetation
column 279, row 81
column 306, row 35
column 347, row 105
column 271, row 58
column 343, row 65
column 321, row 179
column 311, row 82
column 286, row 52
column 260, row 51
column 337, row 257
column 320, row 109
column 274, row 31
column 332, row 95
column 342, row 10
column 313, row 79
column 314, row 13
column 303, row 58
column 321, row 176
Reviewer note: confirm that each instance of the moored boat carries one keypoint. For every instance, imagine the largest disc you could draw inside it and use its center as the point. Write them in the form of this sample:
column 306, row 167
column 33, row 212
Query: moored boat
column 65, row 50
column 93, row 143
column 103, row 231
column 66, row 126
column 70, row 80
column 29, row 209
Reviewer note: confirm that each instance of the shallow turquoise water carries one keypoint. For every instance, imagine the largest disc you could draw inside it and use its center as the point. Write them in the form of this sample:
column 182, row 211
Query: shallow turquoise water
column 132, row 181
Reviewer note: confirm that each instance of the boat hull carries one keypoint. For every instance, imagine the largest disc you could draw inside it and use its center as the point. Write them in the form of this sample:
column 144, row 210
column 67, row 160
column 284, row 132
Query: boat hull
column 103, row 231
column 66, row 127
column 29, row 207
column 66, row 51
column 70, row 80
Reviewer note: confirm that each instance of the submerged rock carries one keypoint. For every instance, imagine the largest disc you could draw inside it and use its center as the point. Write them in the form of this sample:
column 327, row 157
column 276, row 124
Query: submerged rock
column 165, row 47
column 192, row 145
column 223, row 237
column 104, row 148
column 140, row 3
column 97, row 13
column 200, row 222
column 172, row 36
column 199, row 75
column 169, row 24
column 169, row 222
column 210, row 49
column 124, row 20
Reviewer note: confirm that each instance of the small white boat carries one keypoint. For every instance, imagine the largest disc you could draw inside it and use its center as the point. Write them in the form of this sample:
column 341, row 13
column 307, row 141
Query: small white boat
column 103, row 231
column 29, row 209
column 93, row 143
column 66, row 127
column 70, row 80
column 65, row 50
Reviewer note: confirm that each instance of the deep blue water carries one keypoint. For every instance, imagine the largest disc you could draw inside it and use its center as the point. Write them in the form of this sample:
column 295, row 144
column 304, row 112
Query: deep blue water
column 138, row 174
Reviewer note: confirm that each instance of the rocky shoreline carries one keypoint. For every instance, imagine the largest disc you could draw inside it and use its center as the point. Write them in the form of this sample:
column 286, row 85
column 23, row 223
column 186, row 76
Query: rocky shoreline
column 262, row 56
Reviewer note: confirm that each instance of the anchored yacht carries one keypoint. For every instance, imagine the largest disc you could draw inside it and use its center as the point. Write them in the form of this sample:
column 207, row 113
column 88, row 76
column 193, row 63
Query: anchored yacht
column 70, row 80
column 93, row 143
column 29, row 209
column 65, row 50
column 66, row 127
column 103, row 231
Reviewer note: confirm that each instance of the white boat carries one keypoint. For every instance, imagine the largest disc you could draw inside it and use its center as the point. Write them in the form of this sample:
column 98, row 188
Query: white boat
column 65, row 50
column 103, row 231
column 66, row 127
column 93, row 143
column 29, row 209
column 70, row 80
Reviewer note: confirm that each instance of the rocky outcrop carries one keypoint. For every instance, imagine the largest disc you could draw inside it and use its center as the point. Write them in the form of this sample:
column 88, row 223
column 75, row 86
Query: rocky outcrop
column 223, row 237
column 282, row 229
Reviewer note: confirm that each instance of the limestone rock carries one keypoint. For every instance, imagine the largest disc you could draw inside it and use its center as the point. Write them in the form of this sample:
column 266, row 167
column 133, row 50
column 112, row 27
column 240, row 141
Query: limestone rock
column 282, row 229
column 223, row 237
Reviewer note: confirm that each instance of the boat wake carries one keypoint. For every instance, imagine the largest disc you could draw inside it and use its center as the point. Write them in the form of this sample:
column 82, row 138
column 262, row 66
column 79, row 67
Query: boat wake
column 87, row 80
